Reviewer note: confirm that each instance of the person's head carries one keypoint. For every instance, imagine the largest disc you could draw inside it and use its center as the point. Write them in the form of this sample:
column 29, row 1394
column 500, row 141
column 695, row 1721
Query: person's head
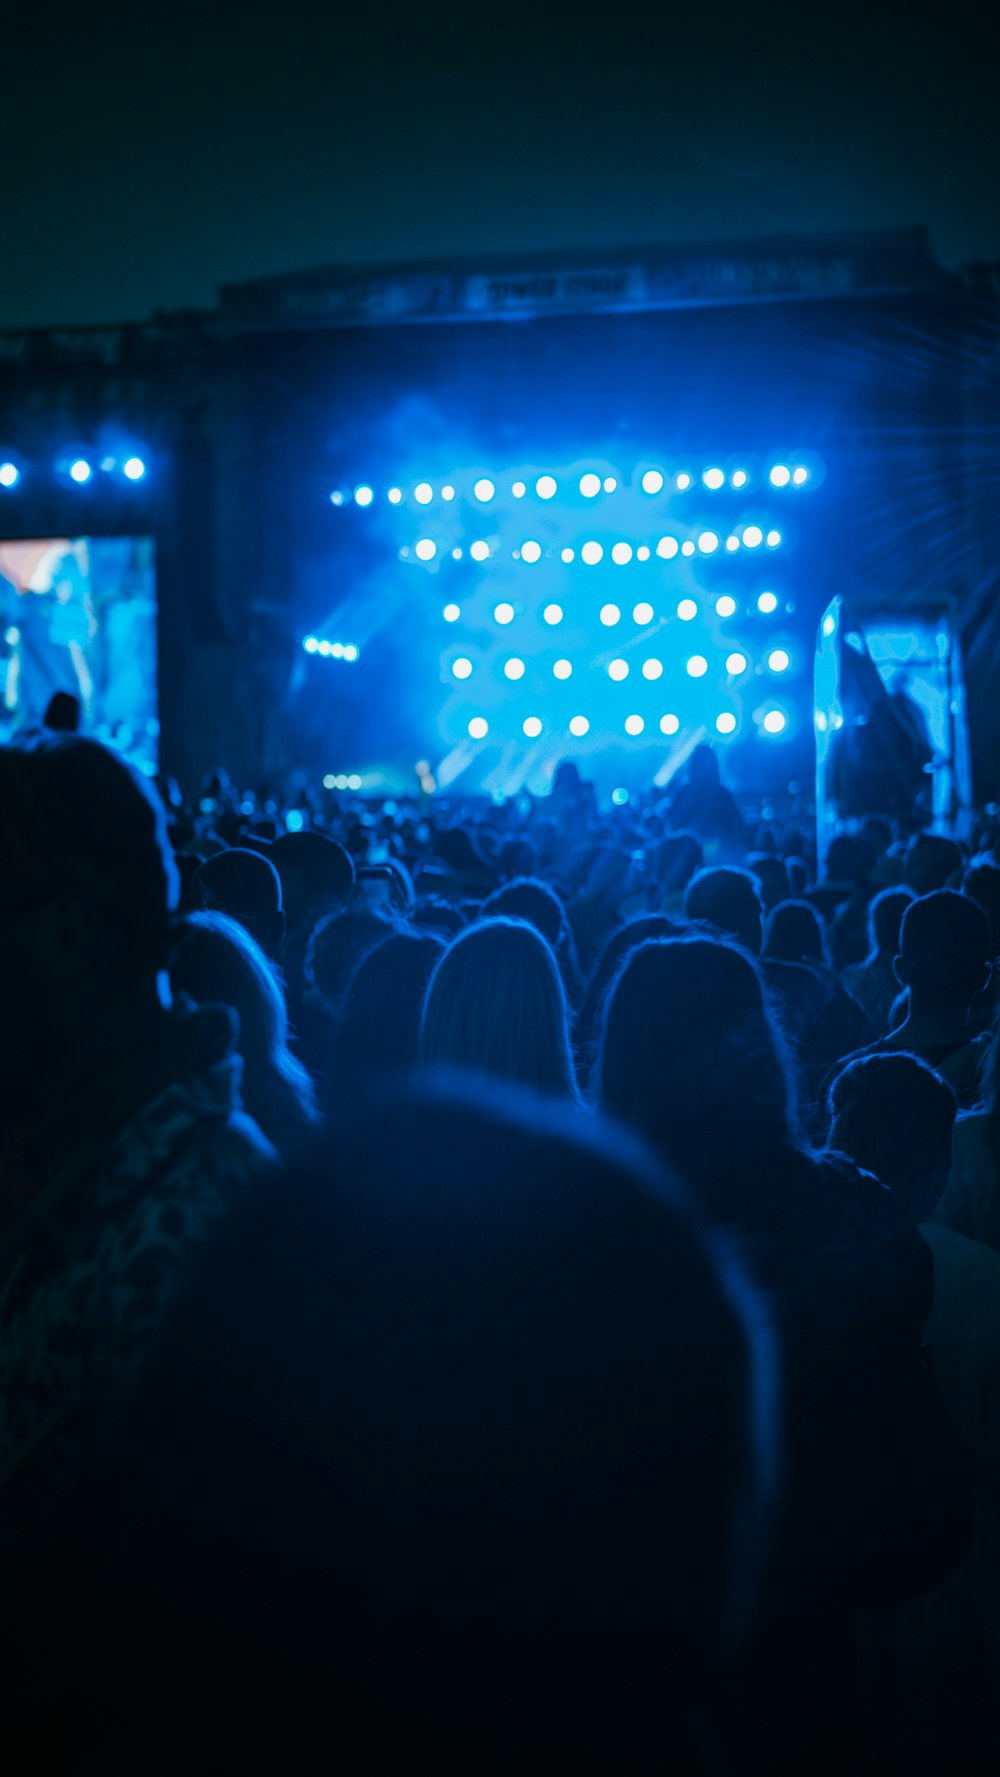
column 703, row 767
column 885, row 917
column 982, row 884
column 894, row 1115
column 621, row 941
column 692, row 1057
column 676, row 859
column 772, row 875
column 533, row 901
column 246, row 885
column 317, row 877
column 727, row 899
column 517, row 857
column 843, row 859
column 379, row 1027
column 944, row 952
column 932, row 862
column 457, row 848
column 495, row 1004
column 88, row 885
column 217, row 962
column 433, row 913
column 62, row 713
column 337, row 946
column 794, row 933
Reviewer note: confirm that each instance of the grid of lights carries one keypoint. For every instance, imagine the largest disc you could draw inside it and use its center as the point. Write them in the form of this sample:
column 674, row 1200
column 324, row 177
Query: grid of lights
column 331, row 650
column 651, row 479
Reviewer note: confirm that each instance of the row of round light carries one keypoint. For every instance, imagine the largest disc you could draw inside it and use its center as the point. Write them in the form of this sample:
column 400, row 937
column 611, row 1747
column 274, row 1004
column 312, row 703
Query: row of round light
column 749, row 536
column 331, row 650
column 771, row 720
column 80, row 470
column 696, row 666
column 342, row 780
column 642, row 613
column 652, row 481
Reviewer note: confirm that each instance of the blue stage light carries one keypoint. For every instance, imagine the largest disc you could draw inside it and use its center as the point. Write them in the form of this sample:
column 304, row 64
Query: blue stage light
column 337, row 650
column 800, row 476
column 773, row 539
column 562, row 669
column 532, row 727
column 725, row 606
column 133, row 468
column 634, row 724
column 519, row 490
column 545, row 487
column 448, row 492
column 780, row 475
column 590, row 485
column 10, row 475
column 479, row 550
column 350, row 651
column 295, row 820
column 426, row 549
column 329, row 782
column 683, row 480
column 767, row 602
column 514, row 668
column 484, row 489
column 567, row 555
column 610, row 484
column 552, row 614
column 363, row 495
column 618, row 669
column 652, row 481
column 697, row 666
column 777, row 660
column 652, row 669
column 311, row 645
column 687, row 548
column 503, row 613
column 642, row 553
column 336, row 498
column 642, row 614
column 726, row 723
column 456, row 555
column 610, row 615
column 736, row 664
column 708, row 542
column 619, row 798
column 739, row 478
column 462, row 668
column 686, row 610
column 592, row 553
column 713, row 478
column 325, row 648
column 394, row 496
column 621, row 554
column 479, row 728
column 80, row 471
column 828, row 625
column 531, row 551
column 579, row 725
column 752, row 535
column 732, row 544
column 667, row 548
column 354, row 781
column 775, row 721
column 451, row 613
column 423, row 493
column 669, row 724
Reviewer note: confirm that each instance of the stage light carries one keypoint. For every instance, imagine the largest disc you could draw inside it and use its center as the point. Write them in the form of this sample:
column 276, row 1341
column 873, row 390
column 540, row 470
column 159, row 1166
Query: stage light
column 643, row 614
column 448, row 492
column 618, row 669
column 325, row 648
column 708, row 542
column 652, row 669
column 133, row 468
column 697, row 666
column 725, row 723
column 484, row 490
column 329, row 782
column 634, row 724
column 775, row 721
column 80, row 471
column 479, row 550
column 666, row 548
column 777, row 660
column 531, row 551
column 736, row 664
column 610, row 615
column 311, row 645
column 780, row 475
column 732, row 543
column 683, row 480
column 456, row 555
column 514, row 668
column 687, row 548
column 341, row 780
column 767, row 603
column 578, row 725
column 590, row 485
column 451, row 613
column 713, row 478
column 462, row 668
column 423, row 493
column 545, row 487
column 568, row 555
column 829, row 623
column 642, row 553
column 354, row 781
column 363, row 496
column 621, row 553
column 426, row 549
column 686, row 610
column 800, row 476
column 479, row 727
column 752, row 535
column 532, row 727
column 394, row 496
column 669, row 724
column 519, row 490
column 592, row 553
column 652, row 481
column 725, row 606
column 9, row 475
column 562, row 669
column 739, row 478
column 336, row 498
column 609, row 484
column 337, row 650
column 350, row 652
column 619, row 798
column 773, row 539
column 503, row 613
column 552, row 614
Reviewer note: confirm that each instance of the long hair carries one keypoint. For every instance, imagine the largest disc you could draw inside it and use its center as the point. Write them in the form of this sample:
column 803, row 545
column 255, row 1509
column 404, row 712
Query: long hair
column 217, row 961
column 496, row 1004
column 379, row 1030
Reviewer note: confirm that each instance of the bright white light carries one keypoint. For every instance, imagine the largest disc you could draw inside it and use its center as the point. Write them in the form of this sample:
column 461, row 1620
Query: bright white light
column 351, row 651
column 820, row 719
column 736, row 664
column 479, row 550
column 773, row 539
column 514, row 668
column 829, row 621
column 341, row 780
column 579, row 725
column 484, row 490
column 621, row 553
column 325, row 648
column 780, row 475
column 545, row 487
column 354, row 781
column 669, row 724
column 739, row 478
column 451, row 613
column 643, row 614
column 568, row 555
column 9, row 474
column 800, row 476
column 394, row 496
column 666, row 548
column 618, row 669
column 363, row 495
column 752, row 535
column 80, row 471
column 552, row 614
column 619, row 798
column 686, row 610
column 423, row 493
column 590, row 484
column 708, row 542
column 462, row 668
column 777, row 660
column 531, row 551
column 531, row 726
column 726, row 722
column 311, row 645
column 456, row 555
column 768, row 602
column 642, row 553
column 634, row 724
column 329, row 782
column 448, row 492
column 133, row 468
column 713, row 478
column 609, row 484
column 503, row 613
column 562, row 669
column 426, row 549
column 652, row 481
column 687, row 548
column 519, row 490
column 732, row 543
column 337, row 650
column 683, row 480
column 610, row 615
column 336, row 498
column 775, row 721
column 479, row 727
column 725, row 606
column 652, row 669
column 592, row 553
column 697, row 666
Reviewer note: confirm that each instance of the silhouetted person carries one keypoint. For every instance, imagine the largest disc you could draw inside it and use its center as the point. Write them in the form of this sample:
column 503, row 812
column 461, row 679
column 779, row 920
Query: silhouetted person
column 378, row 1031
column 63, row 713
column 528, row 898
column 702, row 805
column 588, row 1020
column 317, row 879
column 874, row 983
column 932, row 862
column 971, row 1203
column 793, row 933
column 245, row 885
column 496, row 1005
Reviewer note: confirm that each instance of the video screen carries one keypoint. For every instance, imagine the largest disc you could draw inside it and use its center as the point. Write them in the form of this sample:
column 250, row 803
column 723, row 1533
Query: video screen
column 78, row 615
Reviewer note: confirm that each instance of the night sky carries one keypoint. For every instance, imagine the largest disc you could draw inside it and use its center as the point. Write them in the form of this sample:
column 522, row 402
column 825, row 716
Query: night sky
column 148, row 160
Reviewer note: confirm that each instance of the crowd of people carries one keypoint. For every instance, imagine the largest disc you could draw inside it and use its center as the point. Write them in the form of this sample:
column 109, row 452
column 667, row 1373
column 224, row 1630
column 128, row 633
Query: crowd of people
column 494, row 1283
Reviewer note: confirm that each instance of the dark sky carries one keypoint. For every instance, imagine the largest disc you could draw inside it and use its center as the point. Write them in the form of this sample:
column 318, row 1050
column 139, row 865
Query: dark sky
column 147, row 160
